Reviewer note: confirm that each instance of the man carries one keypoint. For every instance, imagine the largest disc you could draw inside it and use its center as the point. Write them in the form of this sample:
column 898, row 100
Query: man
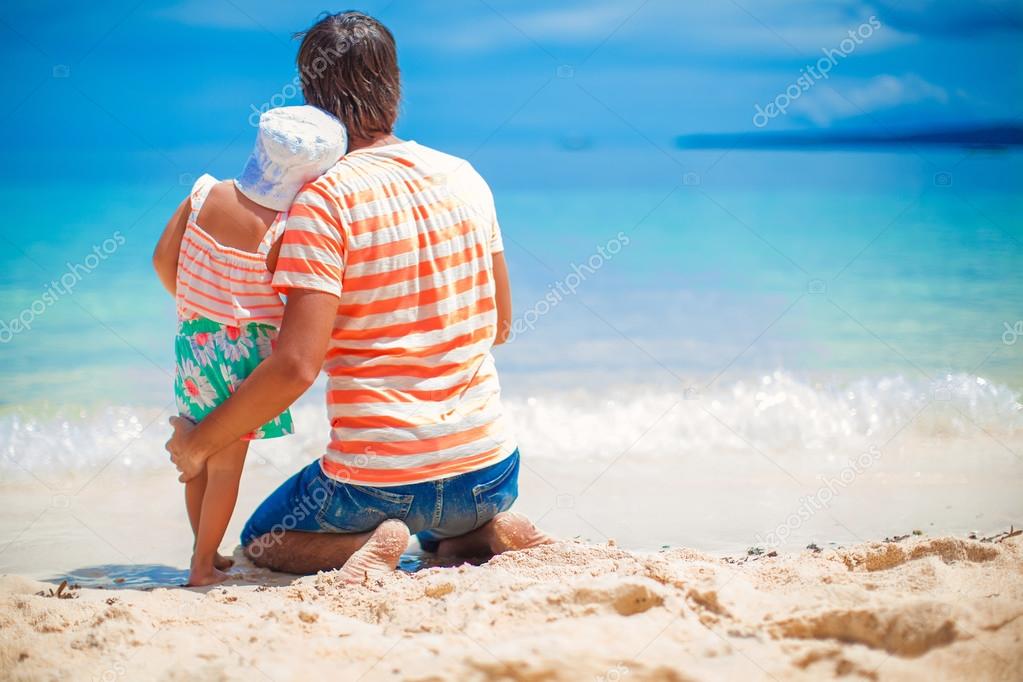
column 396, row 284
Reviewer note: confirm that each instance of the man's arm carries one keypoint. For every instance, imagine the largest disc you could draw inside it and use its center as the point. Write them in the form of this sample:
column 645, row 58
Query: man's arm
column 165, row 255
column 270, row 389
column 502, row 293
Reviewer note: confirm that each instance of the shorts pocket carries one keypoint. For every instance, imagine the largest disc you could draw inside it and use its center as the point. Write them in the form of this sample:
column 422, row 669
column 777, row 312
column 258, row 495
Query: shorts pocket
column 498, row 494
column 357, row 508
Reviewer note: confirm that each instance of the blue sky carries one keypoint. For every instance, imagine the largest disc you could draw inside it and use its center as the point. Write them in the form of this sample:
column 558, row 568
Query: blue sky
column 129, row 90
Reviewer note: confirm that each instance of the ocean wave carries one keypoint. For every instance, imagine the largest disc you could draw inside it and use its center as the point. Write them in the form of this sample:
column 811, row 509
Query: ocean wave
column 777, row 413
column 774, row 412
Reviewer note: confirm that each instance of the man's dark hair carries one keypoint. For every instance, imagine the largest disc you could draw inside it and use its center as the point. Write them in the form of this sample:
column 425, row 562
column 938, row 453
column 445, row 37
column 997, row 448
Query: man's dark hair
column 348, row 63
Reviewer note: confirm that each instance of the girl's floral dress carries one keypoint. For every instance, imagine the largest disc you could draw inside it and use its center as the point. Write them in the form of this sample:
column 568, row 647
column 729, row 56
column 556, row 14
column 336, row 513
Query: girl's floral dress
column 213, row 359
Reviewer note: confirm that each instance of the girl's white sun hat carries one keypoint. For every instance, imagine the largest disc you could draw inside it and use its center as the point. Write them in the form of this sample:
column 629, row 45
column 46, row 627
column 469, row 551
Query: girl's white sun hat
column 294, row 145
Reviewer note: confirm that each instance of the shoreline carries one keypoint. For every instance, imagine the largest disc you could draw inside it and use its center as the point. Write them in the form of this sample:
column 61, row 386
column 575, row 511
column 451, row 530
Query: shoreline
column 99, row 526
column 942, row 607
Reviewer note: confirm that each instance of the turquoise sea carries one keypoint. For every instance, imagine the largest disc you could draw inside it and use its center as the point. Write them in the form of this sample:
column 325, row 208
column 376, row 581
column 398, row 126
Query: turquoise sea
column 764, row 263
column 756, row 317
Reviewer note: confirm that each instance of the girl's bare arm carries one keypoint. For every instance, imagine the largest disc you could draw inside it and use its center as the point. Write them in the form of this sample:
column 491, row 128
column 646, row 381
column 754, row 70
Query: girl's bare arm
column 165, row 255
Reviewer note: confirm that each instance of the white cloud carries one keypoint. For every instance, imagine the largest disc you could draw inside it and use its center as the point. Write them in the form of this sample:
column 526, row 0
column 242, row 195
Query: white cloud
column 753, row 27
column 832, row 101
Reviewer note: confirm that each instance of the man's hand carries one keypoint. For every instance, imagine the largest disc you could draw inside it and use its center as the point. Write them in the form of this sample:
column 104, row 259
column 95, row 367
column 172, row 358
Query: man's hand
column 189, row 463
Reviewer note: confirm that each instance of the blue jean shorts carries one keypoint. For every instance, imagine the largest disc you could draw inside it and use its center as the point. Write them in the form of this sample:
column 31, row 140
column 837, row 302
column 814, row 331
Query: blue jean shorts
column 313, row 502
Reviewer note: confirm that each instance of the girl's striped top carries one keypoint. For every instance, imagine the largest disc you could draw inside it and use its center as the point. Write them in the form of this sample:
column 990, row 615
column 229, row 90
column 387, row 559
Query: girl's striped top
column 403, row 235
column 221, row 283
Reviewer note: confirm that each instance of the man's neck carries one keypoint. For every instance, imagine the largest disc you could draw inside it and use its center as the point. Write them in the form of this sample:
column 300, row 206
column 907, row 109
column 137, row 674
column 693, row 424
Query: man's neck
column 365, row 143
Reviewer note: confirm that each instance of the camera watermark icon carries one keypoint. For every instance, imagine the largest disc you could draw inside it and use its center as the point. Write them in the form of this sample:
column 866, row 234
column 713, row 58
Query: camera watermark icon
column 691, row 179
column 60, row 501
column 613, row 674
column 817, row 287
column 944, row 390
column 114, row 672
column 186, row 179
column 564, row 501
column 565, row 71
column 1012, row 332
column 943, row 179
column 61, row 71
column 691, row 393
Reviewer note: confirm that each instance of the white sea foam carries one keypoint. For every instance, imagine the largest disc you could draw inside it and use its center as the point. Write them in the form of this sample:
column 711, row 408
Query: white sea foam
column 790, row 418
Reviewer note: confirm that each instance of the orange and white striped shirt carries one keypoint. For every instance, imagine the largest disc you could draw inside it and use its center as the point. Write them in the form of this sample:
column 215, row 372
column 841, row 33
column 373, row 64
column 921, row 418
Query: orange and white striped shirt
column 404, row 236
column 221, row 283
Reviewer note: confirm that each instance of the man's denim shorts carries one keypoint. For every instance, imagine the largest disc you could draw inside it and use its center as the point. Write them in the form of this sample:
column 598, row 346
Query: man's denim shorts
column 311, row 501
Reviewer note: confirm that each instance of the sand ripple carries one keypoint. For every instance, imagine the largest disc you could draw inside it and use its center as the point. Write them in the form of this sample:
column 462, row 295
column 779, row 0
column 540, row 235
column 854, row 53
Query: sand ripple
column 942, row 608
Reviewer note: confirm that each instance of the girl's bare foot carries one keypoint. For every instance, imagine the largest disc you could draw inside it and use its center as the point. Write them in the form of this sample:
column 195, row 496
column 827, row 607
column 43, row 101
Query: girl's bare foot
column 380, row 555
column 222, row 562
column 201, row 577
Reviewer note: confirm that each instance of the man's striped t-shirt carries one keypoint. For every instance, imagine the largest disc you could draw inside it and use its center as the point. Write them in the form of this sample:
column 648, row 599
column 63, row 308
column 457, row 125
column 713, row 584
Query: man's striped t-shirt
column 404, row 236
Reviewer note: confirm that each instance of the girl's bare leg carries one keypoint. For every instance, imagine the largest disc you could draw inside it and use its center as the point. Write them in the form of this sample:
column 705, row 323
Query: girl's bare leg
column 223, row 472
column 194, row 491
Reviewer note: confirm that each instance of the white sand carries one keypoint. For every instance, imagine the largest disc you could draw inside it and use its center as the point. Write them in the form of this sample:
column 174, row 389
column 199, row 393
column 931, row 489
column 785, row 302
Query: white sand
column 921, row 608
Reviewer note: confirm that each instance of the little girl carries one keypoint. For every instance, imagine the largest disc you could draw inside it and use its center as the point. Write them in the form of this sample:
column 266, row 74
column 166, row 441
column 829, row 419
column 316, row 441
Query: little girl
column 212, row 259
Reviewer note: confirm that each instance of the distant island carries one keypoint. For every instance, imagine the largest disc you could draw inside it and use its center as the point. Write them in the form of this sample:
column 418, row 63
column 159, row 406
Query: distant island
column 992, row 137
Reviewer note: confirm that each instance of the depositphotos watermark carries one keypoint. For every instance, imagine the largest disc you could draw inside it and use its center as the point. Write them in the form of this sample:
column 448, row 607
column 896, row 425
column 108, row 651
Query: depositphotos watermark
column 315, row 70
column 568, row 286
column 308, row 505
column 821, row 499
column 60, row 287
column 812, row 73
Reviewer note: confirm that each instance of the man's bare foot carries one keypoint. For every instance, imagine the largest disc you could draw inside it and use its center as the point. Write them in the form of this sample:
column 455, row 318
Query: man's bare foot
column 379, row 556
column 506, row 532
column 201, row 577
column 511, row 531
column 222, row 562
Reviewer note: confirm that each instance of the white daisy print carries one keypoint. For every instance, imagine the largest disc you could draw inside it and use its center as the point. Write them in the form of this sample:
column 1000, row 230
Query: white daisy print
column 203, row 348
column 196, row 387
column 265, row 342
column 234, row 343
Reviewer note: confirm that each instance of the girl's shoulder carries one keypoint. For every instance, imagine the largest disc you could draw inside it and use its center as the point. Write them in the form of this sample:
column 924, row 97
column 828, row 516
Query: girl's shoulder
column 229, row 219
column 200, row 194
column 221, row 192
